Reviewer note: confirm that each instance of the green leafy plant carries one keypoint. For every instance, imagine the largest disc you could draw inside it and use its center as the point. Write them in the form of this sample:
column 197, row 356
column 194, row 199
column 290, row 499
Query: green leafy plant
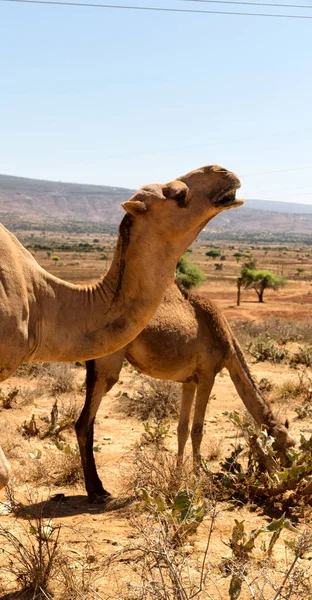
column 156, row 431
column 242, row 545
column 182, row 515
column 264, row 349
column 188, row 274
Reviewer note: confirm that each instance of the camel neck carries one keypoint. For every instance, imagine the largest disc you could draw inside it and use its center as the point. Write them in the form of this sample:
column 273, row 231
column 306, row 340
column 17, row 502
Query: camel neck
column 85, row 322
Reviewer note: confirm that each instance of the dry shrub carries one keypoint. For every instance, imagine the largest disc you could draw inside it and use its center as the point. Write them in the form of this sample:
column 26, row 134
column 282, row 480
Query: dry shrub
column 70, row 411
column 263, row 349
column 156, row 399
column 302, row 357
column 38, row 565
column 213, row 450
column 60, row 421
column 31, row 370
column 153, row 569
column 7, row 398
column 155, row 469
column 32, row 555
column 61, row 378
column 11, row 441
column 58, row 466
column 296, row 388
column 68, row 470
column 281, row 331
column 53, row 378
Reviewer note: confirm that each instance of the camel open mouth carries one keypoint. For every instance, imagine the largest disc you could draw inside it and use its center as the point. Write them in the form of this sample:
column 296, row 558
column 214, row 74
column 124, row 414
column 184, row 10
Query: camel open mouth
column 228, row 200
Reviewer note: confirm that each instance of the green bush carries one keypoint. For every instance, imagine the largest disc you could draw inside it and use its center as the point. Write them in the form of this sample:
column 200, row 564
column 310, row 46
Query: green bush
column 213, row 253
column 188, row 274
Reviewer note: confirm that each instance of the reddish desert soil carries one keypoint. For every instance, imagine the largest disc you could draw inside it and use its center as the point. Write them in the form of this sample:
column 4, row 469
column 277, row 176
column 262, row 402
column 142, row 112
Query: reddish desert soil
column 118, row 431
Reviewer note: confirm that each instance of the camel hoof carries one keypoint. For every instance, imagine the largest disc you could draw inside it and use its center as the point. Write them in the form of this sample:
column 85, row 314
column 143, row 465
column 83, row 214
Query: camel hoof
column 102, row 498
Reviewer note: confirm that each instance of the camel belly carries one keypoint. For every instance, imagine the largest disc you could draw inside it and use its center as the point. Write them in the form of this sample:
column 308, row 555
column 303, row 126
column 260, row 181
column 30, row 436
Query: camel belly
column 159, row 357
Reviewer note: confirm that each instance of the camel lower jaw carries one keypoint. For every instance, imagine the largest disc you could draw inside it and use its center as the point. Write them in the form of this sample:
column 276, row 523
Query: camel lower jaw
column 229, row 200
column 237, row 202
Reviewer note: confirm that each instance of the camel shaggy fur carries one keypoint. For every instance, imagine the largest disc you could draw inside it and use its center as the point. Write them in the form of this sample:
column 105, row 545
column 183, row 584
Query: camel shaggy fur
column 43, row 318
column 188, row 341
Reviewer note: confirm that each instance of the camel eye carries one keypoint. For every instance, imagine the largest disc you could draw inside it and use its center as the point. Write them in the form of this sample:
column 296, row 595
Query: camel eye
column 180, row 198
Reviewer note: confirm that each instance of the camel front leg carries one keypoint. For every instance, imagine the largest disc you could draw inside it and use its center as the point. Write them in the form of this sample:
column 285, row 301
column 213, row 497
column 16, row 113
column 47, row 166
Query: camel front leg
column 188, row 393
column 102, row 374
column 202, row 396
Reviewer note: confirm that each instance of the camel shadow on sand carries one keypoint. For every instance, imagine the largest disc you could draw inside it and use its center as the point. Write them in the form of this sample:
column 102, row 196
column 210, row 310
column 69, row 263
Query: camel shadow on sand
column 61, row 506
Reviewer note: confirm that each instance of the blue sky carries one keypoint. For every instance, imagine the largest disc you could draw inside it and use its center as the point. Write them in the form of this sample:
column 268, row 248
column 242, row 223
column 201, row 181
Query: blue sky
column 123, row 98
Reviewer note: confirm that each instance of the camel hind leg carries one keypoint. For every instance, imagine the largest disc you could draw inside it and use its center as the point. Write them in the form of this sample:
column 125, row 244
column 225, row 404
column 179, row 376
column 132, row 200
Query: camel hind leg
column 102, row 374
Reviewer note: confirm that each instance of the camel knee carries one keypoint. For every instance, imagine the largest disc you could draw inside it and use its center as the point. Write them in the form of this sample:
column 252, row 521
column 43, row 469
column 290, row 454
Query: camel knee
column 183, row 431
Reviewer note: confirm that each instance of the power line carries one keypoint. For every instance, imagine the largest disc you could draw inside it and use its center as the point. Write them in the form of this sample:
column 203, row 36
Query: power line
column 277, row 171
column 287, row 189
column 159, row 9
column 309, row 6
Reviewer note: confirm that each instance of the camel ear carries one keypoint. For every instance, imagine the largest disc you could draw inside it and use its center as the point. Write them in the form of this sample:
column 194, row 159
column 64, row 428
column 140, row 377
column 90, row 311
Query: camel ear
column 176, row 190
column 134, row 207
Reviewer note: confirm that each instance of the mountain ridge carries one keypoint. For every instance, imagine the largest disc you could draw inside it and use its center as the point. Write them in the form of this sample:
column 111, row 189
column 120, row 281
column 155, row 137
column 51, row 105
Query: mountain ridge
column 26, row 201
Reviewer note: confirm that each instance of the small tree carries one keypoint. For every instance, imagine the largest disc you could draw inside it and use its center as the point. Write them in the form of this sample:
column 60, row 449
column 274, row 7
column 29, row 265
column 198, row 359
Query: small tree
column 260, row 281
column 188, row 274
column 213, row 253
column 239, row 283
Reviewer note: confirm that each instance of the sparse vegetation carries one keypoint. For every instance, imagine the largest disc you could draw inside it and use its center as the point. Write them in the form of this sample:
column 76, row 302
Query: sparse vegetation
column 7, row 399
column 160, row 554
column 281, row 331
column 154, row 399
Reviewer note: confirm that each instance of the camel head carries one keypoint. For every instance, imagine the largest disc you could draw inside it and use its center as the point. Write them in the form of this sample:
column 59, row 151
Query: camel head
column 4, row 469
column 181, row 208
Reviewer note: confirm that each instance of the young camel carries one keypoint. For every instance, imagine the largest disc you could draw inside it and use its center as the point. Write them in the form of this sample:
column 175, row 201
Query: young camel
column 43, row 318
column 188, row 341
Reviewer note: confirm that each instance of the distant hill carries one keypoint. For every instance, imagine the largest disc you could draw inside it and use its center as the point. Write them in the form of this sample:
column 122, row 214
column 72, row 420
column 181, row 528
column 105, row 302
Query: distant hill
column 36, row 201
column 35, row 204
column 282, row 207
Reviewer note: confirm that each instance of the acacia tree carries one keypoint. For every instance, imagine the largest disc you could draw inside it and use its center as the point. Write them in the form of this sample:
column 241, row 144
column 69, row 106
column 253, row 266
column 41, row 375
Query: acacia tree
column 260, row 280
column 213, row 253
column 251, row 265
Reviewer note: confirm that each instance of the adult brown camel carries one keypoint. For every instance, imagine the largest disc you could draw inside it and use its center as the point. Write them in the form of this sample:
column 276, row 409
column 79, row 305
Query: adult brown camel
column 43, row 318
column 188, row 341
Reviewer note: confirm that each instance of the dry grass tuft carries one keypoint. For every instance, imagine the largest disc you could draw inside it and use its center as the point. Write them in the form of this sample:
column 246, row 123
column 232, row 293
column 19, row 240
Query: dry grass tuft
column 155, row 399
column 155, row 469
column 38, row 565
column 52, row 378
column 58, row 465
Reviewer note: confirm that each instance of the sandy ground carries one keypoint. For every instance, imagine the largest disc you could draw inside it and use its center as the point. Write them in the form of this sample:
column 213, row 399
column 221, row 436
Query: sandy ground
column 117, row 434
